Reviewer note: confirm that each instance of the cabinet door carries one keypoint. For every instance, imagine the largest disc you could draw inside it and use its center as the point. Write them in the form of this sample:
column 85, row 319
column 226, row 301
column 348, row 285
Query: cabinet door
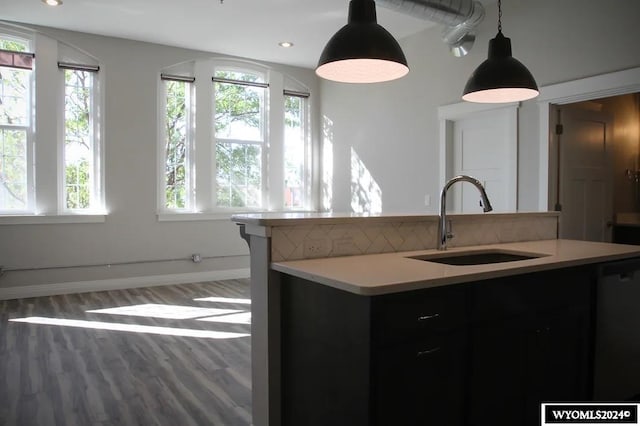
column 530, row 343
column 497, row 389
column 325, row 355
column 558, row 361
column 520, row 362
column 421, row 382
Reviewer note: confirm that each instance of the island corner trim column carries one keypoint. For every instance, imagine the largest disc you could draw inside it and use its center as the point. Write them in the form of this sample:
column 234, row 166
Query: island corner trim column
column 265, row 334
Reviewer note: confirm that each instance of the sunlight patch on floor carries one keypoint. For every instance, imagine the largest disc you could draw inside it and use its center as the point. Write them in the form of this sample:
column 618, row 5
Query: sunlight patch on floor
column 224, row 300
column 241, row 318
column 153, row 310
column 98, row 325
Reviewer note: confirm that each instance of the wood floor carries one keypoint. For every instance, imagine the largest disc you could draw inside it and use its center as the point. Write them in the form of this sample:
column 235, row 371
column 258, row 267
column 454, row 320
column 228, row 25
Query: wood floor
column 75, row 375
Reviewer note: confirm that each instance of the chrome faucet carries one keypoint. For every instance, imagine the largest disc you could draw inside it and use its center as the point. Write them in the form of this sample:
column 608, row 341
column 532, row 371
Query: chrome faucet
column 442, row 220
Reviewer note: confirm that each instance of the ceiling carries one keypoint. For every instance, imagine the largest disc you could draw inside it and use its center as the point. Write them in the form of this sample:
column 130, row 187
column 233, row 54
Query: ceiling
column 246, row 28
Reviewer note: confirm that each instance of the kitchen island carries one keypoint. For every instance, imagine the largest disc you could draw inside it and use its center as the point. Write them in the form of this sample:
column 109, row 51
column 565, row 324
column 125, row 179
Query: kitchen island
column 361, row 339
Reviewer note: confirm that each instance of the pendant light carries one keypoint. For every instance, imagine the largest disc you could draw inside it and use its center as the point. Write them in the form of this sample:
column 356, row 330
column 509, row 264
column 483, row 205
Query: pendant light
column 501, row 78
column 362, row 51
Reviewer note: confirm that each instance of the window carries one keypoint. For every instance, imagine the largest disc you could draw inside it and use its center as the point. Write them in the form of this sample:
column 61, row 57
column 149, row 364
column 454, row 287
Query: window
column 296, row 162
column 178, row 107
column 15, row 124
column 240, row 138
column 50, row 149
column 250, row 150
column 81, row 168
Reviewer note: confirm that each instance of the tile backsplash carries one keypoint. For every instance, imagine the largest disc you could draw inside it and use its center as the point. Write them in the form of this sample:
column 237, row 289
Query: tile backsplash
column 294, row 242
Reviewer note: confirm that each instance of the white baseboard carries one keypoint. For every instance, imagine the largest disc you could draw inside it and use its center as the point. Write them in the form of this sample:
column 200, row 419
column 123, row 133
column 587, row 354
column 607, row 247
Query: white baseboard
column 119, row 283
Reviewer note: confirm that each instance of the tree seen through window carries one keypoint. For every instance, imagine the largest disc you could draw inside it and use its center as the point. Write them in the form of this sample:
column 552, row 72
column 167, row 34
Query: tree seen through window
column 176, row 147
column 239, row 133
column 15, row 93
column 78, row 141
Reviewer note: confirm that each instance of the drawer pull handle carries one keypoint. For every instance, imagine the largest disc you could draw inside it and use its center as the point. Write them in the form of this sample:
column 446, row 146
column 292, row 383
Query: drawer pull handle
column 427, row 352
column 428, row 317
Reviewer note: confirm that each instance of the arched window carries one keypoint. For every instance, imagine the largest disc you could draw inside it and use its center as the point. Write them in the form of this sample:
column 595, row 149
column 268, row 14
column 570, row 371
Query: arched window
column 254, row 128
column 45, row 171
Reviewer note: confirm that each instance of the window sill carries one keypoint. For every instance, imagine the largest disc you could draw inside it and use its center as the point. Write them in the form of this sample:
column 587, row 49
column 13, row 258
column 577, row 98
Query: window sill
column 51, row 219
column 190, row 217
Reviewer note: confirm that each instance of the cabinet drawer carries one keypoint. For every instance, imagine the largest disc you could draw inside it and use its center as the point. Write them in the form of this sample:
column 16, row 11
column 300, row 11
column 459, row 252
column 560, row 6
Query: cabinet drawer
column 405, row 316
column 420, row 382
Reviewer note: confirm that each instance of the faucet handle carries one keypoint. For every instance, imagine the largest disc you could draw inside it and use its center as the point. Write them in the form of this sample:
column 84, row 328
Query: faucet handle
column 449, row 234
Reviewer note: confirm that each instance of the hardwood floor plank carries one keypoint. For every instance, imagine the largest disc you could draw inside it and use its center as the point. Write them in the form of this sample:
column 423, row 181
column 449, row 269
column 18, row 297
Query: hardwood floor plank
column 63, row 375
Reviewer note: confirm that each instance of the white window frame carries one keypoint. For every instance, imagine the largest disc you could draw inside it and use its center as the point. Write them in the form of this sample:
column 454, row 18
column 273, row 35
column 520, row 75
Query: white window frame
column 264, row 143
column 29, row 129
column 204, row 142
column 300, row 92
column 96, row 203
column 46, row 137
column 190, row 165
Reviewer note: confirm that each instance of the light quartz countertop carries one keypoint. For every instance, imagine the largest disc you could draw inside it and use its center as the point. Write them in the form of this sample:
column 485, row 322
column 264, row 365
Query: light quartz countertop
column 387, row 273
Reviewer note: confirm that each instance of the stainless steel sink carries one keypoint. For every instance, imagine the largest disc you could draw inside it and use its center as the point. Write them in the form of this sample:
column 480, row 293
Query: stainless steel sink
column 477, row 257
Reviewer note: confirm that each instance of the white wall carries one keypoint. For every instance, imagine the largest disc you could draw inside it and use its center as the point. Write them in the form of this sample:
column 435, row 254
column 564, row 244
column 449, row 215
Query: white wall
column 132, row 231
column 394, row 126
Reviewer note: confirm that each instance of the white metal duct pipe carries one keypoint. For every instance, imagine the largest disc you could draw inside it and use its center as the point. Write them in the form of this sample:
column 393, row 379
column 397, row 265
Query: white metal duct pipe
column 460, row 17
column 460, row 38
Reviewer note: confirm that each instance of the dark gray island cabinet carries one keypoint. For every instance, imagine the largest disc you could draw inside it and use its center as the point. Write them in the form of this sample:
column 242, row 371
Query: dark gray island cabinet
column 360, row 321
column 478, row 353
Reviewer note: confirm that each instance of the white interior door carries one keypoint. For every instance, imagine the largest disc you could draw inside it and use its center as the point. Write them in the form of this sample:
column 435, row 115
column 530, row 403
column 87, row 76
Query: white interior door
column 586, row 199
column 485, row 146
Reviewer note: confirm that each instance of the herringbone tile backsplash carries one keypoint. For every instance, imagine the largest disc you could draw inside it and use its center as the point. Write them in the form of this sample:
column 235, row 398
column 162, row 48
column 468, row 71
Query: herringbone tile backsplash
column 296, row 242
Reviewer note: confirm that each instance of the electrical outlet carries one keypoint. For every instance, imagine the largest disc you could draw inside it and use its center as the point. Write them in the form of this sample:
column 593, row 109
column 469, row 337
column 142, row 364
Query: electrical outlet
column 427, row 200
column 316, row 248
column 196, row 258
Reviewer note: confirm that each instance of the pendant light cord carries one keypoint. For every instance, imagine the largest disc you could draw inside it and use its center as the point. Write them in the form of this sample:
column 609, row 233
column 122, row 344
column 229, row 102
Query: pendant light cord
column 499, row 16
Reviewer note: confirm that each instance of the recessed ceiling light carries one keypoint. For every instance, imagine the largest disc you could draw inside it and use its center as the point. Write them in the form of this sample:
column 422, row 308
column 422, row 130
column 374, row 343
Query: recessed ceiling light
column 52, row 2
column 285, row 44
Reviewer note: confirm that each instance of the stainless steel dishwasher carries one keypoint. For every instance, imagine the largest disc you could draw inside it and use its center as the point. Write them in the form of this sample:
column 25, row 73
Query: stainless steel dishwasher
column 617, row 347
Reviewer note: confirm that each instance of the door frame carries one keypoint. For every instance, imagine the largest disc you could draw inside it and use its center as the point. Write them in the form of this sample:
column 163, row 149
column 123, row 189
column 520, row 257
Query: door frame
column 585, row 89
column 448, row 114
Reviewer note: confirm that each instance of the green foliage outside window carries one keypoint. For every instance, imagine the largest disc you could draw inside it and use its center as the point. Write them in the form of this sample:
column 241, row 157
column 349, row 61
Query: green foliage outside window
column 239, row 117
column 176, row 144
column 77, row 195
column 13, row 45
column 238, row 175
column 13, row 169
column 78, row 143
column 294, row 152
column 14, row 122
column 239, row 127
